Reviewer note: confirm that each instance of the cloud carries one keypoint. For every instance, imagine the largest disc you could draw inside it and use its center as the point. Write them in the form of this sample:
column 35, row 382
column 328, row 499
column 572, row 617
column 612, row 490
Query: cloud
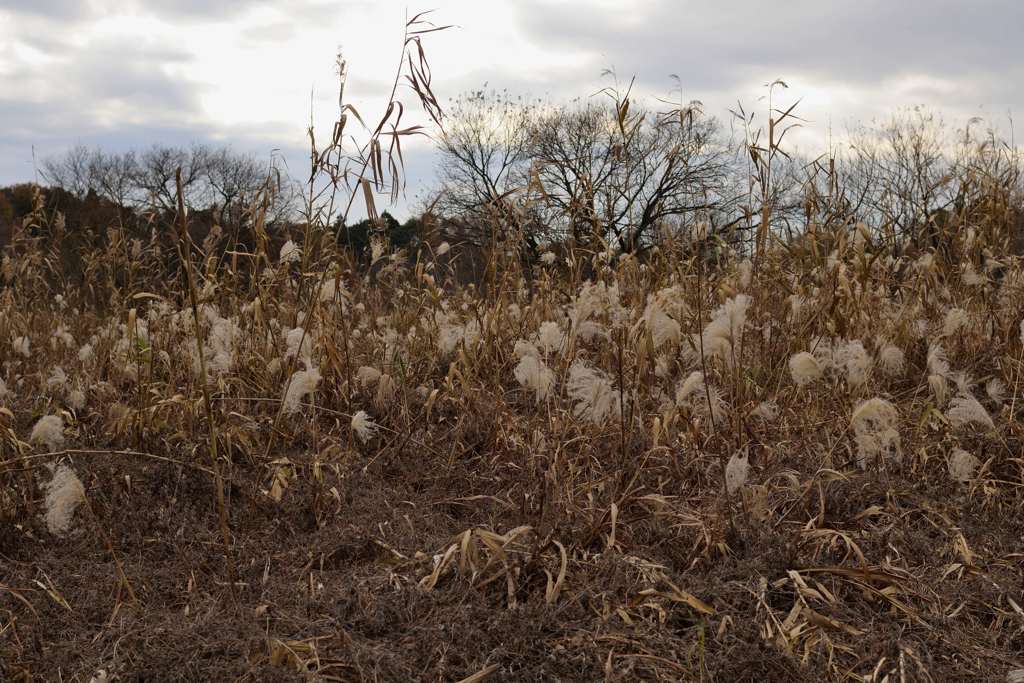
column 189, row 10
column 51, row 9
column 132, row 73
column 103, row 86
column 849, row 63
column 864, row 41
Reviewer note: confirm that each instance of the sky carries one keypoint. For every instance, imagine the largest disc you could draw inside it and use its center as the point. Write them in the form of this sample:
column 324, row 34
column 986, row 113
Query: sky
column 250, row 74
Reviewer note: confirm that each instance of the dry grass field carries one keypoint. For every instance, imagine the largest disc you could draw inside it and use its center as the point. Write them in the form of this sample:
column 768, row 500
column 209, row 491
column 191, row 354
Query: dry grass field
column 776, row 458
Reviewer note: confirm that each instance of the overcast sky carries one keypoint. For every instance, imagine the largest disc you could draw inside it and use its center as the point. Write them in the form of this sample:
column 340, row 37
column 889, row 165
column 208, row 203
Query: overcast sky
column 130, row 73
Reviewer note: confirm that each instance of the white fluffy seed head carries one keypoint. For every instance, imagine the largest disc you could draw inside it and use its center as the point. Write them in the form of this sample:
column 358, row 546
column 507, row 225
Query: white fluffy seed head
column 64, row 493
column 690, row 388
column 965, row 410
column 854, row 359
column 736, row 471
column 973, row 277
column 996, row 390
column 523, row 348
column 386, row 390
column 21, row 346
column 767, row 411
column 367, row 376
column 796, row 304
column 700, row 398
column 76, row 400
column 940, row 389
column 304, row 383
column 62, row 336
column 725, row 327
column 451, row 335
column 533, row 374
column 550, row 337
column 873, row 414
column 746, row 273
column 956, row 318
column 938, row 361
column 296, row 337
column 58, row 378
column 891, row 360
column 962, row 465
column 662, row 327
column 874, row 427
column 589, row 330
column 593, row 394
column 290, row 253
column 363, row 426
column 804, row 368
column 49, row 432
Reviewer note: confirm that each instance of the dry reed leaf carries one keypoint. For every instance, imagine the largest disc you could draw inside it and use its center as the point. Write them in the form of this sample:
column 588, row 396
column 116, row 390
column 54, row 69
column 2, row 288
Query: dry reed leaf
column 291, row 654
column 555, row 587
column 677, row 594
column 441, row 563
column 480, row 675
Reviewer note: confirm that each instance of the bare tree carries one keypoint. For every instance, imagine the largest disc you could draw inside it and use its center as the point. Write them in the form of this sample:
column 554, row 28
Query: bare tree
column 234, row 180
column 71, row 171
column 616, row 171
column 903, row 172
column 156, row 175
column 217, row 179
column 597, row 169
column 114, row 176
column 484, row 152
column 84, row 170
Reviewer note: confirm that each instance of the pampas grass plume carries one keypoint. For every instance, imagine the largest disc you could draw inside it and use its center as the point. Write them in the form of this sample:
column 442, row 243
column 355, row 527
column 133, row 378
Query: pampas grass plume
column 874, row 428
column 304, row 383
column 593, row 393
column 891, row 360
column 736, row 471
column 962, row 465
column 49, row 431
column 965, row 410
column 290, row 253
column 363, row 426
column 533, row 374
column 64, row 493
column 804, row 368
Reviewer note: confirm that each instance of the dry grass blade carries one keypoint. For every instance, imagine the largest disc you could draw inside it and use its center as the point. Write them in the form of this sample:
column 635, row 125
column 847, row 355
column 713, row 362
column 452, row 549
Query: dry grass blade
column 480, row 675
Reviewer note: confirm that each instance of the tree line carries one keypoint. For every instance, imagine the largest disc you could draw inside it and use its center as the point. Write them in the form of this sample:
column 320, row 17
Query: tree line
column 215, row 179
column 608, row 171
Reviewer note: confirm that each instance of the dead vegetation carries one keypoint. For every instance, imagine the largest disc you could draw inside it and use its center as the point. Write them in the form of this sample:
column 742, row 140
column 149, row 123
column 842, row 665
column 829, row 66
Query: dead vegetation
column 775, row 459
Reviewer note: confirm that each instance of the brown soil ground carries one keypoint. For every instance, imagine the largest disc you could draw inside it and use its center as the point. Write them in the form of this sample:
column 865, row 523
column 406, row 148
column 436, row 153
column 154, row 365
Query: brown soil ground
column 329, row 584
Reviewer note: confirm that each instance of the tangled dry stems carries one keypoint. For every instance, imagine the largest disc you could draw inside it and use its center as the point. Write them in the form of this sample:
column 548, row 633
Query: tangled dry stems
column 795, row 489
column 688, row 463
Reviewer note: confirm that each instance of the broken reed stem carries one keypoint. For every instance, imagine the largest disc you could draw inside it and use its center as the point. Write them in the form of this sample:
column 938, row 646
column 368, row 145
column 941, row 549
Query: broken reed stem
column 185, row 256
column 700, row 334
column 1016, row 378
column 622, row 399
column 703, row 360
